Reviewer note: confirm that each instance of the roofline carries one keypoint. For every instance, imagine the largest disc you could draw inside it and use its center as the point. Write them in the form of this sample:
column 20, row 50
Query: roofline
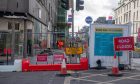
column 123, row 5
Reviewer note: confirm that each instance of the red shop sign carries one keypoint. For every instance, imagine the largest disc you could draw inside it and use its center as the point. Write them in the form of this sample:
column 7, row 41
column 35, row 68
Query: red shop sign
column 123, row 43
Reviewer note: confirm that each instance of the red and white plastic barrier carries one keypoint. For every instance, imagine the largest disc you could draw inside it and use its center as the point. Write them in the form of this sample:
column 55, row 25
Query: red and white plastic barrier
column 26, row 66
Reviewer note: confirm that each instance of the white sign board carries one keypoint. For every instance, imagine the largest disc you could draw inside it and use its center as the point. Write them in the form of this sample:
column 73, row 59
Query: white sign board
column 101, row 45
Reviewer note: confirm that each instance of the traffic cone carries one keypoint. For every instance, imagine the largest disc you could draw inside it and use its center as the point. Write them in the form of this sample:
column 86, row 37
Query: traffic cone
column 115, row 69
column 63, row 71
column 63, row 67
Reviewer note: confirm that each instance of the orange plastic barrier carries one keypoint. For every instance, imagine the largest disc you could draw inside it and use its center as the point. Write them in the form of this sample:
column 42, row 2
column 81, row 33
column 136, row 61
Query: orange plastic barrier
column 54, row 67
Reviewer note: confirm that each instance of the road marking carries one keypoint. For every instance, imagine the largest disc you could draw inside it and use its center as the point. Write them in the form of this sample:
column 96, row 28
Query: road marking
column 94, row 75
column 134, row 79
column 121, row 79
column 108, row 82
column 70, row 71
column 86, row 73
column 91, row 81
column 67, row 80
column 51, row 79
column 130, row 73
column 104, row 83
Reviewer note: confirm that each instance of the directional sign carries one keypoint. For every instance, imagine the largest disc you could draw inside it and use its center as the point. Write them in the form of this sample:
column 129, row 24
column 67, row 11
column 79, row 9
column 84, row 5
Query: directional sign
column 88, row 20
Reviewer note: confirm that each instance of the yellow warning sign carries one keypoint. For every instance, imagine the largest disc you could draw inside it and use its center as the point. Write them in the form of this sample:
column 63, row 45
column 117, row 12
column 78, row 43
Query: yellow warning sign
column 137, row 50
column 73, row 50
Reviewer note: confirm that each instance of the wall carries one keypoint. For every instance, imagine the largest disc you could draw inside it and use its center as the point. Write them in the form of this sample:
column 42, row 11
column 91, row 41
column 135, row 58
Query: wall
column 14, row 5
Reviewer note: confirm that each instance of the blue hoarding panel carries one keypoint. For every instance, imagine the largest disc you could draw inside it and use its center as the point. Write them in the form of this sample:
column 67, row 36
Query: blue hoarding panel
column 104, row 43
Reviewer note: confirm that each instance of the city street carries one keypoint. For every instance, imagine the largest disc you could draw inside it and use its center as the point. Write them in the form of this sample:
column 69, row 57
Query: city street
column 81, row 77
column 43, row 40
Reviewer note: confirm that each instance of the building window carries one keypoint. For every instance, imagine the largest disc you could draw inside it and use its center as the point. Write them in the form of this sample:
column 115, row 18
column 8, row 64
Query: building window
column 127, row 6
column 121, row 19
column 124, row 18
column 130, row 5
column 129, row 15
column 124, row 8
column 49, row 10
column 118, row 11
column 9, row 25
column 137, row 15
column 134, row 16
column 134, row 4
column 136, row 28
column 133, row 27
column 39, row 13
column 116, row 21
column 137, row 3
column 16, row 26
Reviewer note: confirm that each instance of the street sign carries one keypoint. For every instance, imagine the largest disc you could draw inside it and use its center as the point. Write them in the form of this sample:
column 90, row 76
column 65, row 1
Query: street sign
column 88, row 20
column 123, row 43
column 72, row 50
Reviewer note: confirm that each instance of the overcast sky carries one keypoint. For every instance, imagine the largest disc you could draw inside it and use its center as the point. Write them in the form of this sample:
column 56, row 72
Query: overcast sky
column 95, row 9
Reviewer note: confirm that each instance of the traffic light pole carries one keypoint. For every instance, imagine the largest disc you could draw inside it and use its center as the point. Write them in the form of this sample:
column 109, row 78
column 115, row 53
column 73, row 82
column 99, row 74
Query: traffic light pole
column 72, row 11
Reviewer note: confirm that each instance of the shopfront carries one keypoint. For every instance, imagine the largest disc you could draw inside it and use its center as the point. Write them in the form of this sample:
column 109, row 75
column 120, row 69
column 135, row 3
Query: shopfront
column 6, row 46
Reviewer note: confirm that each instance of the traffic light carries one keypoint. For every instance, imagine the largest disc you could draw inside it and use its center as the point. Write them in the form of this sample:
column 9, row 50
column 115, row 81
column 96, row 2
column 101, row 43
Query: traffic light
column 79, row 5
column 65, row 4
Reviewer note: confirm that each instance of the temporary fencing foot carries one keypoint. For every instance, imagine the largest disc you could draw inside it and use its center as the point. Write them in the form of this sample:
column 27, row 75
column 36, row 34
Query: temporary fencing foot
column 116, row 75
column 63, row 75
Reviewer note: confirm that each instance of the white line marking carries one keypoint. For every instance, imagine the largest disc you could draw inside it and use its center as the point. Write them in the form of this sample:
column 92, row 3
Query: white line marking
column 134, row 79
column 67, row 80
column 108, row 82
column 121, row 78
column 130, row 73
column 93, row 75
column 91, row 81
